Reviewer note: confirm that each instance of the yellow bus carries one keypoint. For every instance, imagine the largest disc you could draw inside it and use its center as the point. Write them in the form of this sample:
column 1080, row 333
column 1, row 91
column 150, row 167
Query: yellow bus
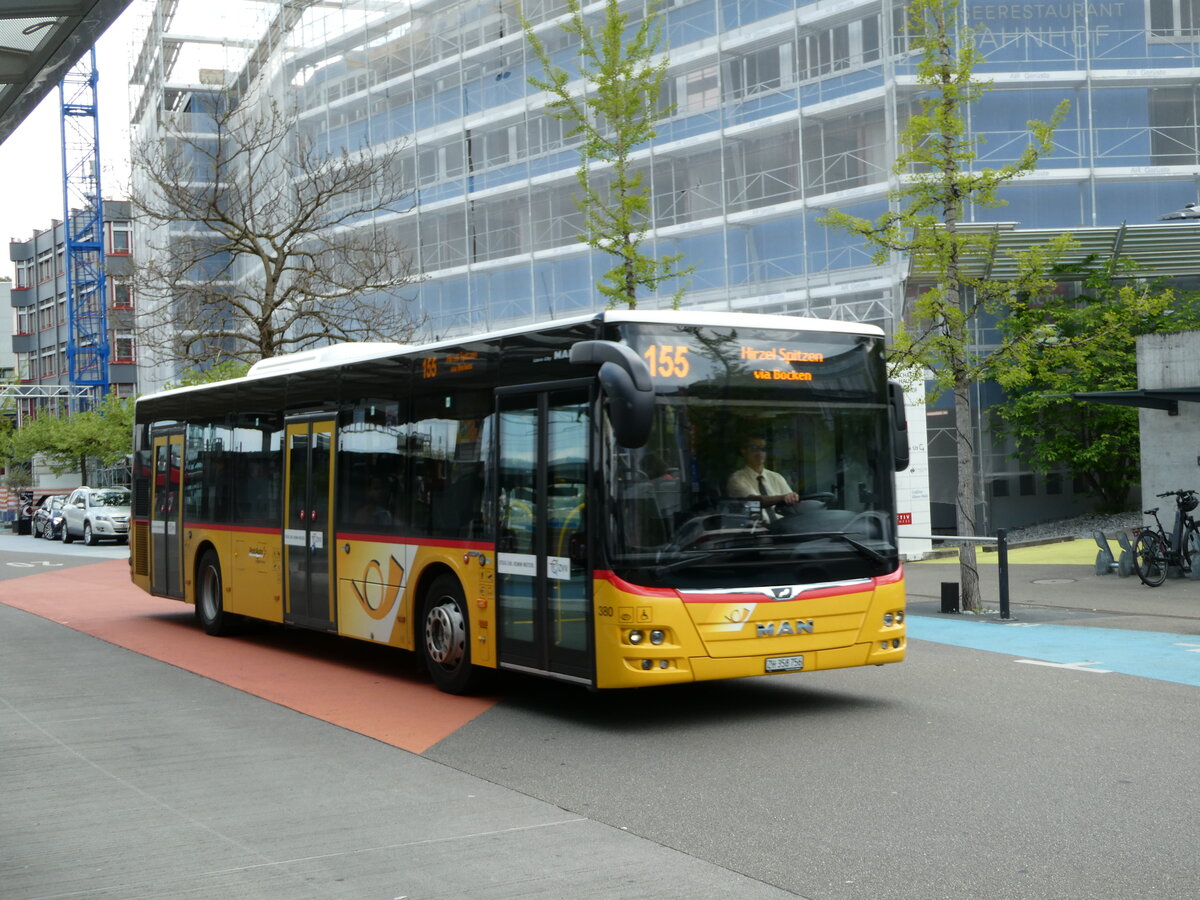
column 579, row 500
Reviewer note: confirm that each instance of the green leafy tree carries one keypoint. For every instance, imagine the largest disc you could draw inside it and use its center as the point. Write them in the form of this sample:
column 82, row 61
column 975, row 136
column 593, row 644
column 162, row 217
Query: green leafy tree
column 17, row 473
column 1097, row 443
column 222, row 371
column 104, row 434
column 612, row 107
column 938, row 183
column 938, row 180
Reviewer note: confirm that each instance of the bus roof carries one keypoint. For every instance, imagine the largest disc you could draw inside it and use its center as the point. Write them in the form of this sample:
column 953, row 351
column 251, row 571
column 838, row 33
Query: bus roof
column 336, row 355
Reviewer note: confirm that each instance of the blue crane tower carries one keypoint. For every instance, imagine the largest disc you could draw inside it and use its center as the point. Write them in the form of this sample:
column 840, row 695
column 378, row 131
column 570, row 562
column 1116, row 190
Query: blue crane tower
column 83, row 226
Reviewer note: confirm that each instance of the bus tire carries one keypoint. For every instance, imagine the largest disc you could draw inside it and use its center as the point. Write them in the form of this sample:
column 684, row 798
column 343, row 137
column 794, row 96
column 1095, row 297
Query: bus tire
column 210, row 605
column 445, row 640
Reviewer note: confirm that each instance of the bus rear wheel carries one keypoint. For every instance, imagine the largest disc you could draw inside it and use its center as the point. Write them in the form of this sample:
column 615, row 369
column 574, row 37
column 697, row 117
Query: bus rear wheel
column 445, row 638
column 210, row 605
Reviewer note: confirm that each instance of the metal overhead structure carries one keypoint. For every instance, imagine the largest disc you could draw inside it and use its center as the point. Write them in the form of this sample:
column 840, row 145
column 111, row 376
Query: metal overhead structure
column 40, row 40
column 1167, row 250
column 83, row 227
column 1170, row 251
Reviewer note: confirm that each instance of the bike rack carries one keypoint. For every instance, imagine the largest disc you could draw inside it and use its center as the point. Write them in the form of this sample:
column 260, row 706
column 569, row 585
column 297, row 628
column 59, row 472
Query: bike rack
column 1105, row 563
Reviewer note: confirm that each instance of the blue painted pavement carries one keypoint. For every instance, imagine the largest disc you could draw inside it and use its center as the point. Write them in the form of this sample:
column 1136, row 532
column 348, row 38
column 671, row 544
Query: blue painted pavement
column 1147, row 654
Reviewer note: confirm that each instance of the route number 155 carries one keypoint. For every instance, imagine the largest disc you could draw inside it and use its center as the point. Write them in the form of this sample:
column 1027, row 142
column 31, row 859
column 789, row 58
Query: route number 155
column 668, row 360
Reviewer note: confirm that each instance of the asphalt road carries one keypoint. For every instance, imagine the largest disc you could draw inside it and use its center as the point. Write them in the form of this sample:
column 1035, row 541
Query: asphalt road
column 959, row 773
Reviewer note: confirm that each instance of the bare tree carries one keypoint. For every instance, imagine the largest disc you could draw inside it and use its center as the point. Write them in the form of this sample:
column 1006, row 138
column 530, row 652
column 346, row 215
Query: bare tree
column 261, row 242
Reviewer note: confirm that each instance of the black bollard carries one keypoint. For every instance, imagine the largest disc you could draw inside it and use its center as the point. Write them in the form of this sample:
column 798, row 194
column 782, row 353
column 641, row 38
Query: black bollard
column 950, row 596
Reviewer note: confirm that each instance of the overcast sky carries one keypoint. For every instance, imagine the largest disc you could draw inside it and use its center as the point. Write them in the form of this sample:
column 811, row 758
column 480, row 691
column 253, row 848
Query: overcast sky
column 31, row 158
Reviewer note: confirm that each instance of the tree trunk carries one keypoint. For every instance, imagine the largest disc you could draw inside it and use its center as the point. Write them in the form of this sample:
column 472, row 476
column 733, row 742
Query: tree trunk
column 965, row 519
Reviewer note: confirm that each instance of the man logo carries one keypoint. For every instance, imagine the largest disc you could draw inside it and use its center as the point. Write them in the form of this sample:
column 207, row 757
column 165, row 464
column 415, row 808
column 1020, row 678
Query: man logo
column 779, row 629
column 783, row 593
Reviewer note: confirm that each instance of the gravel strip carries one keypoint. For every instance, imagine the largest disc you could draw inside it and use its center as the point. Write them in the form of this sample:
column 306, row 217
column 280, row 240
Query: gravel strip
column 1077, row 527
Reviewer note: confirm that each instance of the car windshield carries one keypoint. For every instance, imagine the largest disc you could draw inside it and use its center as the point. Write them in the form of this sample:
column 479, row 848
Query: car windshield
column 110, row 498
column 685, row 510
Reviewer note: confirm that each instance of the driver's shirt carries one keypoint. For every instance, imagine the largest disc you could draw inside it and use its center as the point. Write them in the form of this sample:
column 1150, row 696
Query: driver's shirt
column 744, row 483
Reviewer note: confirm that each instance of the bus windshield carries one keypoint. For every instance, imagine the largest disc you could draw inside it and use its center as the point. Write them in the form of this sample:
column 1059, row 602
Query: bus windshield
column 769, row 463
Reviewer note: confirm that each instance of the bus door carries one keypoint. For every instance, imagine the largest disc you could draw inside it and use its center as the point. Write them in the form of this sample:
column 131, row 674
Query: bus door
column 166, row 517
column 543, row 589
column 307, row 533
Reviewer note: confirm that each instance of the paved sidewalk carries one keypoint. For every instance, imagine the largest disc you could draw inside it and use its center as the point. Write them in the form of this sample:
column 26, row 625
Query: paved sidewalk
column 125, row 777
column 1057, row 583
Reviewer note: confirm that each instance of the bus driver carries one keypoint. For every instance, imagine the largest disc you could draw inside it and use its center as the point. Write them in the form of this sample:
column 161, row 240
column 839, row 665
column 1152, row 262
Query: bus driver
column 755, row 480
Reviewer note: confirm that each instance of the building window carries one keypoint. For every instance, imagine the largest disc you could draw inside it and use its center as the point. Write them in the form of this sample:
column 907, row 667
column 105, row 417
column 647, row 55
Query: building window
column 120, row 238
column 754, row 72
column 123, row 347
column 122, row 295
column 845, row 152
column 1173, row 133
column 698, row 90
column 1027, row 486
column 1175, row 18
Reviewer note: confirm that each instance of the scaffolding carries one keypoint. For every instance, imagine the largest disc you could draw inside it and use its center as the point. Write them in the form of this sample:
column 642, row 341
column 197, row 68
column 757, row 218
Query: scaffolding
column 83, row 218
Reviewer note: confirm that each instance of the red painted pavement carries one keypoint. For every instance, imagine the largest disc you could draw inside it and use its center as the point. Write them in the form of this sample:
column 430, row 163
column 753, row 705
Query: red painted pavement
column 362, row 687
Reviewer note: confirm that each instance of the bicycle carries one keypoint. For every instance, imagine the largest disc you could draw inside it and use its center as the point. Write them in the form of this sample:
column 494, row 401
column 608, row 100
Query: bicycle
column 1154, row 552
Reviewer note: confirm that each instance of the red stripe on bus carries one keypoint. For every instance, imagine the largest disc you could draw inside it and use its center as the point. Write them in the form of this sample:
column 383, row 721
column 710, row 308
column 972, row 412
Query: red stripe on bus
column 622, row 585
column 732, row 597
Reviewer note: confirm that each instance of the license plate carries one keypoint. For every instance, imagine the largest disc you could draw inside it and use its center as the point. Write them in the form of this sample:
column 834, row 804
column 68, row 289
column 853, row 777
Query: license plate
column 785, row 663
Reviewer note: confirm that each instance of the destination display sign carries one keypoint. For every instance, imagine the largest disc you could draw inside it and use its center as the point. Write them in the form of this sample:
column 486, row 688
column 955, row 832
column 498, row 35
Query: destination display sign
column 453, row 363
column 699, row 356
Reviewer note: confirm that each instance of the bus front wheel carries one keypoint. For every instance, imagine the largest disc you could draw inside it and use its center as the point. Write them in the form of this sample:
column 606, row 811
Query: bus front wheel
column 210, row 605
column 445, row 637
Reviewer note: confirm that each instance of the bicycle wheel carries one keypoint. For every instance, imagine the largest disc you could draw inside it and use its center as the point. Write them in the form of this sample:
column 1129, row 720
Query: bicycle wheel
column 1150, row 559
column 1191, row 552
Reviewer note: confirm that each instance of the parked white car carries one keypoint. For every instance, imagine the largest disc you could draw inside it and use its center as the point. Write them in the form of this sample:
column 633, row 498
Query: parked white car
column 95, row 514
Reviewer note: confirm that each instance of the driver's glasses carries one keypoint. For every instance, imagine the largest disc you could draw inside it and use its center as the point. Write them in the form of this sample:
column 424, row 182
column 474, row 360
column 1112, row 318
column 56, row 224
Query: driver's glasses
column 757, row 448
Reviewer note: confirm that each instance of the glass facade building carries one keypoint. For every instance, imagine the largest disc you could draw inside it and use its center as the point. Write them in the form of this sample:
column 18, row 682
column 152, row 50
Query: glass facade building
column 783, row 109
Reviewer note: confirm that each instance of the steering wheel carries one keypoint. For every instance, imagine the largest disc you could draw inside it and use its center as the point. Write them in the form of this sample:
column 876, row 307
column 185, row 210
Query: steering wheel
column 819, row 496
column 788, row 510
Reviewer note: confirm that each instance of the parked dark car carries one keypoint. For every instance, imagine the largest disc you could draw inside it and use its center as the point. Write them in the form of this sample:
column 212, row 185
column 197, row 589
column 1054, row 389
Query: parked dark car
column 48, row 517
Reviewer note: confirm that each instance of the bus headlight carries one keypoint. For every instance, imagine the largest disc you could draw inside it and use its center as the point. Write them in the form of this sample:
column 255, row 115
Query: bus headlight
column 636, row 637
column 888, row 618
column 657, row 636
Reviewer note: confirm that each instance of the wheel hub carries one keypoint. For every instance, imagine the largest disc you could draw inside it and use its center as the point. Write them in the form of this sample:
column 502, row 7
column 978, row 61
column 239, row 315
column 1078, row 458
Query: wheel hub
column 446, row 634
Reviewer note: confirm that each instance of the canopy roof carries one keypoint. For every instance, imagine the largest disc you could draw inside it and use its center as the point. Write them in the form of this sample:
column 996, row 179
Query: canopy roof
column 1167, row 248
column 40, row 40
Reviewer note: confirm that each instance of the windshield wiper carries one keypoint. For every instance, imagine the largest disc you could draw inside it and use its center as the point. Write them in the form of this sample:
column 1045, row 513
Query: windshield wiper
column 707, row 556
column 869, row 552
